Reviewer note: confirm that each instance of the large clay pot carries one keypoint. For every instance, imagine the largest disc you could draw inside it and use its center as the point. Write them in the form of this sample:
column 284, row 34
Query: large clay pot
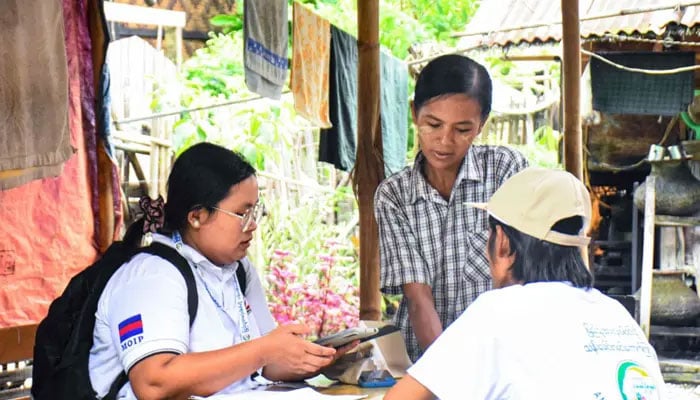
column 622, row 139
column 677, row 190
column 672, row 301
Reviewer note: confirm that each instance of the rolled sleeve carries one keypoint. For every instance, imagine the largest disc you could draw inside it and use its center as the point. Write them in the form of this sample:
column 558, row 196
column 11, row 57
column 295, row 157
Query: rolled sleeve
column 148, row 312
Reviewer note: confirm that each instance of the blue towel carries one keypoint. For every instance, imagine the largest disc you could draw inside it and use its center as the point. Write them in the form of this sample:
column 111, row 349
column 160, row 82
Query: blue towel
column 266, row 40
column 338, row 144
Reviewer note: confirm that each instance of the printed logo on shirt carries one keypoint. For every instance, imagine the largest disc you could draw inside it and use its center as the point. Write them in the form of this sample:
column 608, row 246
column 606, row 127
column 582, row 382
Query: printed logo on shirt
column 635, row 383
column 130, row 331
column 247, row 306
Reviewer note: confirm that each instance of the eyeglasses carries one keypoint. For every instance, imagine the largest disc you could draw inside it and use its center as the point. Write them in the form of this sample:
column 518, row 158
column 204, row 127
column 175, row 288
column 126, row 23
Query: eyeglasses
column 254, row 213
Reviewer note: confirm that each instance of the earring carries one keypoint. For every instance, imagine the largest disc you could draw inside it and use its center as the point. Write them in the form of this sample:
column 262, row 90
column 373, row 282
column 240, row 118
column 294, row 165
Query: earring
column 195, row 224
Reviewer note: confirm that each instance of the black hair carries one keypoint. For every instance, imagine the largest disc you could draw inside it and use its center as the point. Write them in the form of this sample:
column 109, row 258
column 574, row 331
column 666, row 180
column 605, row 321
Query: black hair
column 541, row 261
column 201, row 177
column 454, row 74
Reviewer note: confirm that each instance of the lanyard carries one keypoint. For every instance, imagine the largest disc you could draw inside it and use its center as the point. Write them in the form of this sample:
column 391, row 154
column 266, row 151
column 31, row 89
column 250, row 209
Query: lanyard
column 243, row 322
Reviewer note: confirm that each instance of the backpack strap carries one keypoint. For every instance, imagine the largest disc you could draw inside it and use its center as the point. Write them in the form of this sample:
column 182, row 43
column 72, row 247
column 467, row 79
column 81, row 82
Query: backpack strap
column 173, row 257
column 118, row 383
column 242, row 277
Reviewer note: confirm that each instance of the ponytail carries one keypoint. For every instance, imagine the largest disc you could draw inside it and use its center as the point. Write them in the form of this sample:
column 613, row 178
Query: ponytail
column 134, row 234
column 151, row 221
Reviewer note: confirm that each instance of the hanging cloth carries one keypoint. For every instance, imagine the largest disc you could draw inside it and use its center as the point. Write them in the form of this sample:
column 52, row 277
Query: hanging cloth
column 338, row 144
column 47, row 230
column 311, row 53
column 394, row 112
column 265, row 46
column 34, row 135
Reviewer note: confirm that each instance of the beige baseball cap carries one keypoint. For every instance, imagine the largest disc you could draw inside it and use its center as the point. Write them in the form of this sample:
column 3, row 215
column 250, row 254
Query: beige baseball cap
column 535, row 199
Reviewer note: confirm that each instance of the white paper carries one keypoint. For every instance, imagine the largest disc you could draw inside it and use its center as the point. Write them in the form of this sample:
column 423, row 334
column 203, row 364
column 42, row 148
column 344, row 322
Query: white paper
column 298, row 394
column 392, row 351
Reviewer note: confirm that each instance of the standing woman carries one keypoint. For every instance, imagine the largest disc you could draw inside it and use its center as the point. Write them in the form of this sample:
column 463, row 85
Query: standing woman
column 211, row 214
column 432, row 247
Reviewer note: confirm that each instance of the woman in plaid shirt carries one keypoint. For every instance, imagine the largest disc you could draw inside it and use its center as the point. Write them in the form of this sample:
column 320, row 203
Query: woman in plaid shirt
column 432, row 247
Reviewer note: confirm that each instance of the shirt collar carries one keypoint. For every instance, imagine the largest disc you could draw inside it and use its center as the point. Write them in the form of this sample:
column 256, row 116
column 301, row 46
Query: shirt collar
column 196, row 258
column 420, row 188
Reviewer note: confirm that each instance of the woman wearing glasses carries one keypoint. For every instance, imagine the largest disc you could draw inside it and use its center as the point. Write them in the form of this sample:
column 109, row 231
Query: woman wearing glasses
column 432, row 247
column 142, row 320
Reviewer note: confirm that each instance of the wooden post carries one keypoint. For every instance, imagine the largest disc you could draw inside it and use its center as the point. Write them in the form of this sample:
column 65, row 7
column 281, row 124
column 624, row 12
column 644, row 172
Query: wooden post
column 647, row 254
column 105, row 184
column 178, row 48
column 369, row 167
column 17, row 343
column 572, row 87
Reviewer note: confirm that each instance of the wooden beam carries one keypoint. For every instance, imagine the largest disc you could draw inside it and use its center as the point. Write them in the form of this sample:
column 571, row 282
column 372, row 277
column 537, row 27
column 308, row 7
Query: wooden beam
column 17, row 343
column 538, row 58
column 119, row 12
column 369, row 167
column 140, row 175
column 572, row 87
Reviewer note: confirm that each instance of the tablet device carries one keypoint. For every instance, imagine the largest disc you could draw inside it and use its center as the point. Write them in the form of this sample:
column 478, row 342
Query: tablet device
column 347, row 336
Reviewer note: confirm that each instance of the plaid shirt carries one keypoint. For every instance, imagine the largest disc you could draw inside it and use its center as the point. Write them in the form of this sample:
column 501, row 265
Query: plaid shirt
column 424, row 238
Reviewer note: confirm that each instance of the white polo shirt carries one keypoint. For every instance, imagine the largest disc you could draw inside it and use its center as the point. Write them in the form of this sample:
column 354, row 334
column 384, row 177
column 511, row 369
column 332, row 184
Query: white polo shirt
column 143, row 311
column 545, row 341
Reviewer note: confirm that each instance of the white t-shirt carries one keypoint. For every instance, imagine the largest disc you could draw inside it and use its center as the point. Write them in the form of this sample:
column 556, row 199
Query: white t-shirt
column 544, row 340
column 147, row 300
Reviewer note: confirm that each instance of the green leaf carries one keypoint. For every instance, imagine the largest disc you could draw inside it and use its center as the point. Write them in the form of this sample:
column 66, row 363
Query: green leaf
column 266, row 133
column 201, row 133
column 249, row 152
column 225, row 20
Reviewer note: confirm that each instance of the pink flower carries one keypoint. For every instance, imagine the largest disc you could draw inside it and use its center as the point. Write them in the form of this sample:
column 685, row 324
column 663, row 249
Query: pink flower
column 321, row 296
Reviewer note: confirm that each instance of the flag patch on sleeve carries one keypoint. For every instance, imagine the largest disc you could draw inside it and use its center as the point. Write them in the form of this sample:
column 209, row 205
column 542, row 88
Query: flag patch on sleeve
column 130, row 327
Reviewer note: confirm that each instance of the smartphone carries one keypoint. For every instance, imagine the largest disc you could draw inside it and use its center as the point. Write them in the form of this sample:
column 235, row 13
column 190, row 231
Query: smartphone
column 374, row 379
column 347, row 336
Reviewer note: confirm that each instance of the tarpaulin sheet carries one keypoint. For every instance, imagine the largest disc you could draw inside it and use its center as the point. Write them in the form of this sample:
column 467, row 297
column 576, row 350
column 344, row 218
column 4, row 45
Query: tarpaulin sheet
column 47, row 226
column 618, row 91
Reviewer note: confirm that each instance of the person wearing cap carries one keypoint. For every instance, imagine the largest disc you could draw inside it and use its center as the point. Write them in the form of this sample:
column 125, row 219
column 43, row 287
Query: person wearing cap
column 543, row 332
column 431, row 246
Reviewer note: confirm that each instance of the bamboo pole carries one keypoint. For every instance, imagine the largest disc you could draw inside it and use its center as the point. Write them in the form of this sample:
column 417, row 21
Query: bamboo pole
column 369, row 167
column 572, row 87
column 645, row 290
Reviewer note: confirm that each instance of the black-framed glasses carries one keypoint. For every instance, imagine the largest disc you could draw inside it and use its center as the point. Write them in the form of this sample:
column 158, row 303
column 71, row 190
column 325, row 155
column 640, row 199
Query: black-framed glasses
column 254, row 213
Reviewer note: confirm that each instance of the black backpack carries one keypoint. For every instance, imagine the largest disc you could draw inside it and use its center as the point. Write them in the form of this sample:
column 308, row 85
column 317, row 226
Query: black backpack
column 64, row 338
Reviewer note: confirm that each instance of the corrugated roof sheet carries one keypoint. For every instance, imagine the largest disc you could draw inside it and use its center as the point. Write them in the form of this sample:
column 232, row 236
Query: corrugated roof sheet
column 494, row 15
